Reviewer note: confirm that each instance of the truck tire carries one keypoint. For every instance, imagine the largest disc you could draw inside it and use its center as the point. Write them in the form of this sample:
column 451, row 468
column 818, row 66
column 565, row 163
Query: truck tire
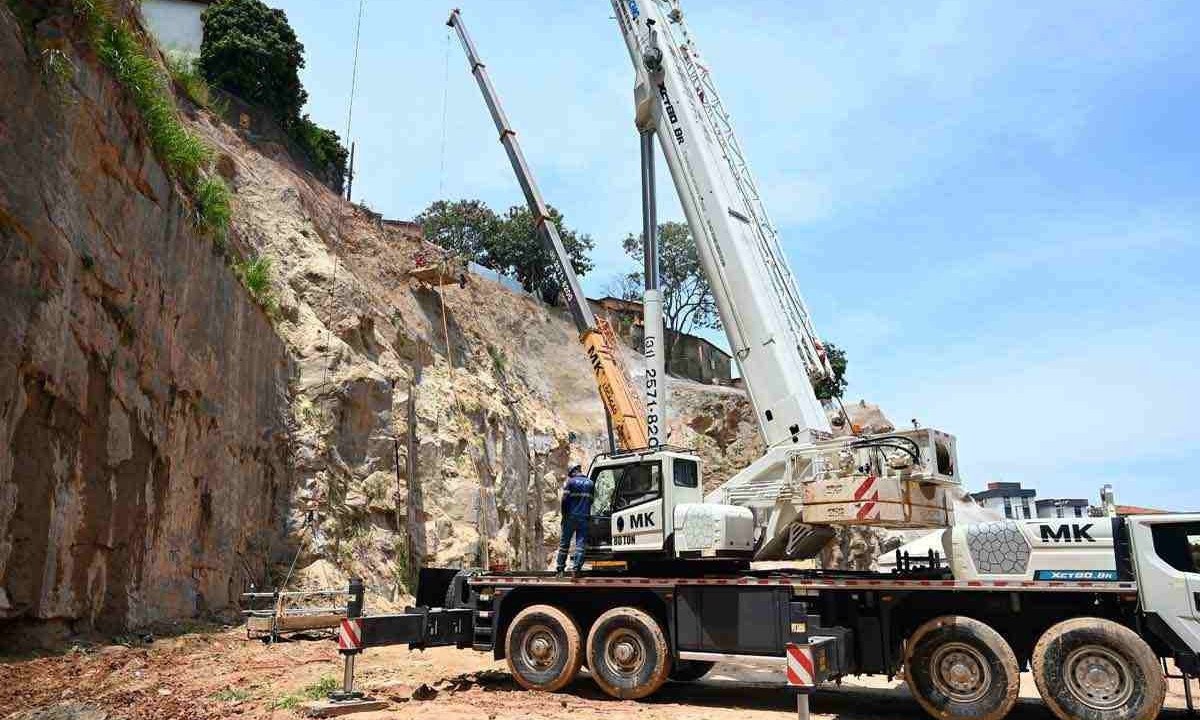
column 544, row 648
column 958, row 667
column 690, row 670
column 627, row 653
column 1096, row 669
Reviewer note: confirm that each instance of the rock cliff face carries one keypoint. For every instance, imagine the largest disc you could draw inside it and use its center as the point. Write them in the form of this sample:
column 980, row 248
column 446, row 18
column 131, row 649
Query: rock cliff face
column 502, row 398
column 144, row 451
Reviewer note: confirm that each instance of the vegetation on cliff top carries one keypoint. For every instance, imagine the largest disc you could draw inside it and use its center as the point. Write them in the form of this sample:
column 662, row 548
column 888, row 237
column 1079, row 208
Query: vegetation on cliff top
column 252, row 51
column 508, row 244
column 183, row 154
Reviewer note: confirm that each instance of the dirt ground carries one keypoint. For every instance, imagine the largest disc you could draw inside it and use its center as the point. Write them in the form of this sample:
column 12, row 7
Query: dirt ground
column 221, row 674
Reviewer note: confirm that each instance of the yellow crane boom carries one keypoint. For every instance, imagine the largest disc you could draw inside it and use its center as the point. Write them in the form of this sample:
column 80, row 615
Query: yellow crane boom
column 621, row 399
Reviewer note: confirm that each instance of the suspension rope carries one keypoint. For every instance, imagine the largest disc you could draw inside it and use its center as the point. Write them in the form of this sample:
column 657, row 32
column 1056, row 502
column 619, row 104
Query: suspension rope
column 354, row 70
column 449, row 351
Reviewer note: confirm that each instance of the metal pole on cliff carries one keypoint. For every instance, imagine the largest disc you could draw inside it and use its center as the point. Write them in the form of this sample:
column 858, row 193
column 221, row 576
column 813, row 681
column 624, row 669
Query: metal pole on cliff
column 350, row 175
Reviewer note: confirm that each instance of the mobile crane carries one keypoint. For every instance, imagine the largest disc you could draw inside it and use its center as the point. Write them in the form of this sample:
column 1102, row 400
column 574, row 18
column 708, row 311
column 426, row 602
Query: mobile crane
column 1091, row 606
column 650, row 506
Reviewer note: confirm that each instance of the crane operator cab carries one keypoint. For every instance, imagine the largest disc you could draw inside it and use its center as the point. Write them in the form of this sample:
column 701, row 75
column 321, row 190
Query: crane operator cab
column 648, row 505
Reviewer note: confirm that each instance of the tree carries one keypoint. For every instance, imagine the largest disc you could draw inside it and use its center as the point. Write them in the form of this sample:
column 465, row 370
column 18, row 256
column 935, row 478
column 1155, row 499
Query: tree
column 518, row 250
column 827, row 388
column 625, row 286
column 463, row 227
column 324, row 148
column 251, row 51
column 688, row 302
column 509, row 244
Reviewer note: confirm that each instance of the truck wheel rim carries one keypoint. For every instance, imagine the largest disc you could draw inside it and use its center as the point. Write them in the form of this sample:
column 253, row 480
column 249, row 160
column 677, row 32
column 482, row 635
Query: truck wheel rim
column 960, row 672
column 625, row 653
column 1098, row 677
column 540, row 648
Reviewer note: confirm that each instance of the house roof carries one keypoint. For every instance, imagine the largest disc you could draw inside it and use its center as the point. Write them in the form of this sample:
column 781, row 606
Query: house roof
column 1135, row 510
column 710, row 343
column 996, row 492
column 622, row 303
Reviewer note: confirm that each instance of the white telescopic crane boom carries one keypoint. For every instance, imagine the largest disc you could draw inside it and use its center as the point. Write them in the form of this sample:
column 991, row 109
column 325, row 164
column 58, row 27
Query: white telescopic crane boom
column 764, row 317
column 805, row 481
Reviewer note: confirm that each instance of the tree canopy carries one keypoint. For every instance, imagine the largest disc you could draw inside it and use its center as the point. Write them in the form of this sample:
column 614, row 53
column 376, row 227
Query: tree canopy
column 519, row 249
column 460, row 226
column 688, row 302
column 251, row 51
column 509, row 243
column 828, row 388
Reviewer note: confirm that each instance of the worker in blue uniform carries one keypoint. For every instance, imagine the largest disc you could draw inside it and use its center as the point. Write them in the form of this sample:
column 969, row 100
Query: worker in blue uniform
column 576, row 509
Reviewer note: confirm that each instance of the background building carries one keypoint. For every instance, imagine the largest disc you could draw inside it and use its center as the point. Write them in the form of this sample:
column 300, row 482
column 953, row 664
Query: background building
column 1009, row 498
column 1062, row 508
column 692, row 357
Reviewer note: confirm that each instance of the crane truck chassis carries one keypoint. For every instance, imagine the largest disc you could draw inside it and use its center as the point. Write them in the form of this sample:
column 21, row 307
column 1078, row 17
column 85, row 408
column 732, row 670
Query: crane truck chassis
column 1097, row 638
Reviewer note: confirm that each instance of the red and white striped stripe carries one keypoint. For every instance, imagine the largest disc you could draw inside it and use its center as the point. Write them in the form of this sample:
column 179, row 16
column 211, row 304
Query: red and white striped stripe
column 864, row 487
column 350, row 635
column 869, row 510
column 800, row 667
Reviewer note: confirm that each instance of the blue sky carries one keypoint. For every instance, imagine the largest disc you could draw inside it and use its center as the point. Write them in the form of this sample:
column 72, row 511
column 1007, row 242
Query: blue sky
column 994, row 207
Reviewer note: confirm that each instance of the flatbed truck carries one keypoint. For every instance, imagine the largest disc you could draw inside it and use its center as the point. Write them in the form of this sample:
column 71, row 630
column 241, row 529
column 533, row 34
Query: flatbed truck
column 1099, row 639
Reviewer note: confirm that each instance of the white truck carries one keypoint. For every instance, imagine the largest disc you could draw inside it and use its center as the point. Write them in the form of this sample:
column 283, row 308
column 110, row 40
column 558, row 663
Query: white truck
column 1096, row 608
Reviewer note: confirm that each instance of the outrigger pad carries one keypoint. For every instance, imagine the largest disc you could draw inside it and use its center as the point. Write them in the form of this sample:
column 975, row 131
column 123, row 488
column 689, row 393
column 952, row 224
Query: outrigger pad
column 331, row 708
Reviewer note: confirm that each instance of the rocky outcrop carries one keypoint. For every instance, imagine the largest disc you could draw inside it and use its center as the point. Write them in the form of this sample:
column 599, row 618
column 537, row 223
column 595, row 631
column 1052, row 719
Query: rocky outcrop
column 144, row 444
column 428, row 418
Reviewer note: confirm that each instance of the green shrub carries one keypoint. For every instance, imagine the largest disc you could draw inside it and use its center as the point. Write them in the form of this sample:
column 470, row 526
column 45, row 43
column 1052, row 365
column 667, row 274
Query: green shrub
column 231, row 695
column 179, row 149
column 316, row 691
column 57, row 66
column 183, row 154
column 251, row 50
column 185, row 72
column 213, row 209
column 256, row 277
column 321, row 688
column 324, row 148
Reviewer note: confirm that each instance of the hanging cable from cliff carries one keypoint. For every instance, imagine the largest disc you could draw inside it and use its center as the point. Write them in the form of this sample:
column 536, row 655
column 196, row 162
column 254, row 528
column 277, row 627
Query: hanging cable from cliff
column 350, row 105
column 341, row 219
